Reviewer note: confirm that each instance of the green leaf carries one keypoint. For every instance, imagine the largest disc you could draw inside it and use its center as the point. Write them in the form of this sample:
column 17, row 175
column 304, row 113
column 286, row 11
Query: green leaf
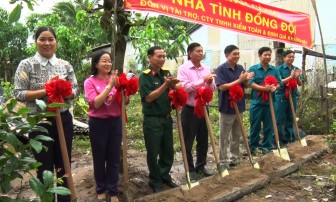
column 10, row 106
column 48, row 178
column 36, row 145
column 14, row 16
column 5, row 185
column 41, row 104
column 37, row 186
column 12, row 140
column 23, row 111
column 57, row 104
column 7, row 199
column 43, row 137
column 59, row 190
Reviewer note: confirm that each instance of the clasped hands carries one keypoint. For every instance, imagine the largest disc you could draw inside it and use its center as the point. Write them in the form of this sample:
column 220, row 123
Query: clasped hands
column 209, row 78
column 245, row 76
column 171, row 82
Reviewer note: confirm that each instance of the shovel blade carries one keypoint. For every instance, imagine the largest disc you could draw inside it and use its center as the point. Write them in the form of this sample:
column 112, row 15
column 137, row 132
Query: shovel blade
column 282, row 153
column 303, row 142
column 224, row 173
column 256, row 166
column 189, row 185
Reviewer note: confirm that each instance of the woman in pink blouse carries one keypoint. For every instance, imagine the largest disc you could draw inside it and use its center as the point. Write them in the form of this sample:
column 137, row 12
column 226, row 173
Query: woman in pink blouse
column 104, row 124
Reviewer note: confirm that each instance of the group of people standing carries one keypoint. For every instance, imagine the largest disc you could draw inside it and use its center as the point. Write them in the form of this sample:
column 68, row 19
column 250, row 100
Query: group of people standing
column 156, row 81
column 105, row 122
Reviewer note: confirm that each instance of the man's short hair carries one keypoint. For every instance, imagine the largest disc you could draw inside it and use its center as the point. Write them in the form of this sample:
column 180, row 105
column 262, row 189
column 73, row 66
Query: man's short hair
column 263, row 49
column 228, row 49
column 152, row 50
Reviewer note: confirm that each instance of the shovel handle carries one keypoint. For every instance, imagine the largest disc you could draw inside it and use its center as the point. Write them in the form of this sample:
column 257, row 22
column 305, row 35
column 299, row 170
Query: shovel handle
column 212, row 139
column 180, row 132
column 242, row 129
column 275, row 128
column 124, row 139
column 294, row 115
column 65, row 156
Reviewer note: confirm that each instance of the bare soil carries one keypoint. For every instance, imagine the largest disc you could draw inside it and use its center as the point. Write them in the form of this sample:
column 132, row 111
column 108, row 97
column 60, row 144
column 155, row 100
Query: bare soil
column 311, row 181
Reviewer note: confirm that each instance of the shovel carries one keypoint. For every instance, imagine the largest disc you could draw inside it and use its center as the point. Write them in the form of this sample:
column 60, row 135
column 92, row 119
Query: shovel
column 124, row 147
column 65, row 156
column 254, row 164
column 303, row 140
column 224, row 172
column 189, row 184
column 279, row 152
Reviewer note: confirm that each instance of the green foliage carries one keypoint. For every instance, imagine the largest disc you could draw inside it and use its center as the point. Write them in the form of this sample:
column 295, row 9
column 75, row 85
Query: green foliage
column 81, row 144
column 81, row 107
column 8, row 90
column 312, row 113
column 134, row 124
column 15, row 14
column 13, row 42
column 46, row 190
column 82, row 73
column 172, row 25
column 16, row 159
column 155, row 34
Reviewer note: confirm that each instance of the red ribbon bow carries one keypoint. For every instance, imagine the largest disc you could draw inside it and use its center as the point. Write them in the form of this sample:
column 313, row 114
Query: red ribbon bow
column 178, row 97
column 130, row 87
column 236, row 93
column 57, row 89
column 269, row 80
column 290, row 85
column 204, row 95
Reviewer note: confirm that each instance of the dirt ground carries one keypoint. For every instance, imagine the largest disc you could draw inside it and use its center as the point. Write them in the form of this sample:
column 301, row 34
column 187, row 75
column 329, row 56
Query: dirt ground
column 310, row 183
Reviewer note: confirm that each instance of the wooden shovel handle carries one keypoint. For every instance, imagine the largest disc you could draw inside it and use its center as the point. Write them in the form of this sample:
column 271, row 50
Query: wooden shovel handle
column 294, row 115
column 212, row 139
column 242, row 128
column 180, row 132
column 124, row 139
column 275, row 128
column 65, row 156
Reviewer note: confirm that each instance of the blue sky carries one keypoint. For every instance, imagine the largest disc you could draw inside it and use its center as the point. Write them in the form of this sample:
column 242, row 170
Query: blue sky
column 326, row 9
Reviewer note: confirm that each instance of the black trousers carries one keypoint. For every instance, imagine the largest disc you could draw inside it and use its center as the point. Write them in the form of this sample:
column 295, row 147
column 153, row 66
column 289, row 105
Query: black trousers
column 105, row 138
column 194, row 127
column 52, row 159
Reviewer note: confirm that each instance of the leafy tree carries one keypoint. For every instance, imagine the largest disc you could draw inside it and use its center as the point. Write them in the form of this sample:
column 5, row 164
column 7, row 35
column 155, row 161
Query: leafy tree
column 13, row 42
column 173, row 25
column 155, row 34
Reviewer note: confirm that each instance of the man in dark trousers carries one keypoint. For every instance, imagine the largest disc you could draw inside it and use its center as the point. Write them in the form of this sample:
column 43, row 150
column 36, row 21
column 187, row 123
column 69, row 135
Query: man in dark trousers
column 193, row 74
column 155, row 83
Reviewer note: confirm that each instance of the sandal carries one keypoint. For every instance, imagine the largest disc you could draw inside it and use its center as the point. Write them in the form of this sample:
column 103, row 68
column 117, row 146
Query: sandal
column 101, row 198
column 114, row 199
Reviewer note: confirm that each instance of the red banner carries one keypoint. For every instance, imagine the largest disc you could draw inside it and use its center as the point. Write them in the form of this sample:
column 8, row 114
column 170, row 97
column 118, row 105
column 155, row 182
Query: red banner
column 245, row 16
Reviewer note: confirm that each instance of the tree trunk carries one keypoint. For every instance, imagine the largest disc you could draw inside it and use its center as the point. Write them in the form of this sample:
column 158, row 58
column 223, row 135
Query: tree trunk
column 304, row 55
column 278, row 49
column 120, row 54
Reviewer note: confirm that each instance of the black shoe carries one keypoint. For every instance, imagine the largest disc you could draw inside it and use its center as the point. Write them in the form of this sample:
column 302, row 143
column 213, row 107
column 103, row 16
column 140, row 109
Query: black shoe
column 203, row 171
column 233, row 163
column 193, row 176
column 170, row 184
column 156, row 189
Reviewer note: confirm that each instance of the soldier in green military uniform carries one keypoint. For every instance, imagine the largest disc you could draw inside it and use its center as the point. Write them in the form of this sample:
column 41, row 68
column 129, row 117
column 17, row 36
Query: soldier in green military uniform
column 155, row 83
column 260, row 110
column 282, row 106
